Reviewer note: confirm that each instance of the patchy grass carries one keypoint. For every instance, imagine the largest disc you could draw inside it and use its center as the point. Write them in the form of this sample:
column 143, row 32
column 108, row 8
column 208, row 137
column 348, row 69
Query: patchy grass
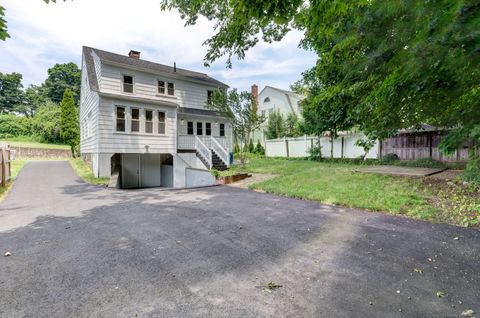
column 17, row 165
column 84, row 172
column 341, row 184
column 27, row 141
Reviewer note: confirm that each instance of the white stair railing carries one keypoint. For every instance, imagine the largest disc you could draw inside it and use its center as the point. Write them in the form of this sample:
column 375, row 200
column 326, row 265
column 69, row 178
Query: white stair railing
column 220, row 151
column 204, row 151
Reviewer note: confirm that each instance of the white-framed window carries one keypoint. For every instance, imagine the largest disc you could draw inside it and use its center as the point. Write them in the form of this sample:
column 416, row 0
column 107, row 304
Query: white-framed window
column 209, row 96
column 208, row 129
column 148, row 121
column 127, row 84
column 120, row 118
column 161, row 87
column 263, row 112
column 161, row 123
column 135, row 119
column 222, row 130
column 199, row 128
column 190, row 128
column 170, row 89
column 266, row 100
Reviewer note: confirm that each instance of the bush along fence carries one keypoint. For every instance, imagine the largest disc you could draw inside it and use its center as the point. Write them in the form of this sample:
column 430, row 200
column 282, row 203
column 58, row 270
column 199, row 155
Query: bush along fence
column 343, row 147
column 6, row 169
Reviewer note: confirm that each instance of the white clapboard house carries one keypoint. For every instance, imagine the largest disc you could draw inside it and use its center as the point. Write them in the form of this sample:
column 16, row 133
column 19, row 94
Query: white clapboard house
column 145, row 124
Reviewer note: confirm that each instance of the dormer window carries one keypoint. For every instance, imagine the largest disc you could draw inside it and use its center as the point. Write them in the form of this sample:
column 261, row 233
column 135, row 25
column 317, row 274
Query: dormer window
column 127, row 84
column 171, row 89
column 161, row 87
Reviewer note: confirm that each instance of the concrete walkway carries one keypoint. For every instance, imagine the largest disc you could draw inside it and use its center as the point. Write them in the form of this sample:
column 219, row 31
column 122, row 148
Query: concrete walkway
column 401, row 171
column 84, row 251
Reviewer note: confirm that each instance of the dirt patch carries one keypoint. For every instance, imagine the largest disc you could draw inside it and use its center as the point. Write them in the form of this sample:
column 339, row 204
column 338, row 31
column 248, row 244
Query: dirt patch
column 255, row 178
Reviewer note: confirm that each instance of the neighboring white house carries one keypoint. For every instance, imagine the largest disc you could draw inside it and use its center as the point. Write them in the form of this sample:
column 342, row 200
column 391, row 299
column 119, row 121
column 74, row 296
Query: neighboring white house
column 272, row 99
column 146, row 123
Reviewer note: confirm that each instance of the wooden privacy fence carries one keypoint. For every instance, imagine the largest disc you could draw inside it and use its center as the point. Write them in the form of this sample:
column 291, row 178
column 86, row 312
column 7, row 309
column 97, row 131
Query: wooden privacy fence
column 418, row 145
column 343, row 147
column 6, row 169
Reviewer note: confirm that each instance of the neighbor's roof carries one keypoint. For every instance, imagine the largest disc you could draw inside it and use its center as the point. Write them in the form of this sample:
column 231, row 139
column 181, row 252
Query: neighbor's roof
column 283, row 91
column 142, row 65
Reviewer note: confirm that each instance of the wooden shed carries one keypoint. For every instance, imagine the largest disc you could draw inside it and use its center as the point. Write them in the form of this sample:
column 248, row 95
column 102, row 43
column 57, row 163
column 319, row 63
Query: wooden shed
column 422, row 143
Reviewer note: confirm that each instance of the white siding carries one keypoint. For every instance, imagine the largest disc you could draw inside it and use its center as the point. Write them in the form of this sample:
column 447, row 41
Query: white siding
column 187, row 94
column 88, row 116
column 111, row 141
column 278, row 102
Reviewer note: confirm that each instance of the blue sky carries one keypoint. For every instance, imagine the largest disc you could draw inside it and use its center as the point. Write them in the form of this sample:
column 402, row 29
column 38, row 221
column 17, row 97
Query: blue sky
column 42, row 35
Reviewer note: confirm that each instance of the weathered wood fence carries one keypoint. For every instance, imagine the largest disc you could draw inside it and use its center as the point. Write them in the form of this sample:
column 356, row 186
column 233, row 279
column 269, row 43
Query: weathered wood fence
column 418, row 145
column 6, row 169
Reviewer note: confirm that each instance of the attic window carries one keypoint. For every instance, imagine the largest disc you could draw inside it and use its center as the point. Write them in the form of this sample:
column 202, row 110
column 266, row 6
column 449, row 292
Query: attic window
column 127, row 84
column 266, row 100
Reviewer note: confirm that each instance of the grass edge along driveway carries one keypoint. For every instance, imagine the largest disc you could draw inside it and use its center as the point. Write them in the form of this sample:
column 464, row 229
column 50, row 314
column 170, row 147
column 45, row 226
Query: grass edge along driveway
column 340, row 184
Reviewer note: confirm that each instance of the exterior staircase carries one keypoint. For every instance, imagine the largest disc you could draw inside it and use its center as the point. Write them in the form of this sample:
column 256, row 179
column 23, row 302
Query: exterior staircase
column 217, row 162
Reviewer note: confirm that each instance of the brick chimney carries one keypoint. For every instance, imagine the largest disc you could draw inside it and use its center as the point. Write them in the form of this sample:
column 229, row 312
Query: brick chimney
column 255, row 97
column 134, row 54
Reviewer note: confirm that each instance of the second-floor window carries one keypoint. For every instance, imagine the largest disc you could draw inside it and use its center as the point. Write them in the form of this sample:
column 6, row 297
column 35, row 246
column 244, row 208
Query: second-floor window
column 190, row 128
column 171, row 89
column 120, row 113
column 209, row 97
column 149, row 121
column 161, row 123
column 208, row 129
column 127, row 84
column 199, row 129
column 135, row 120
column 222, row 130
column 161, row 87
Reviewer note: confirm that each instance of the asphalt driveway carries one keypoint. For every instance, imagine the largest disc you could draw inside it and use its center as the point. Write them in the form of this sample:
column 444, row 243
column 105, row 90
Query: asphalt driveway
column 84, row 251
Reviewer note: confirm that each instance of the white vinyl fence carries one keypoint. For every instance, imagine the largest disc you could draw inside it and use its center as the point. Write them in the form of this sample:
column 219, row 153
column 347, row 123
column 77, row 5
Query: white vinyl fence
column 343, row 147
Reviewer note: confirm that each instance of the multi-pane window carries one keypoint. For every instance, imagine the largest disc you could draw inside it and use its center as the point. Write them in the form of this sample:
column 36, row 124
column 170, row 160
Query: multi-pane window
column 161, row 122
column 208, row 129
column 120, row 113
column 149, row 121
column 135, row 120
column 161, row 87
column 190, row 128
column 127, row 84
column 209, row 97
column 199, row 129
column 222, row 130
column 170, row 89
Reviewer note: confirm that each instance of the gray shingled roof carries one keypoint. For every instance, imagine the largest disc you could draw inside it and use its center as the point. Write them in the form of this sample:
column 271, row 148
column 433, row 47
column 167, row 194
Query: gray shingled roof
column 151, row 67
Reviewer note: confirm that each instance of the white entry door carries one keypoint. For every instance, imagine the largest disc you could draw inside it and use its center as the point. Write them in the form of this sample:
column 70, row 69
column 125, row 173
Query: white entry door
column 130, row 171
column 150, row 170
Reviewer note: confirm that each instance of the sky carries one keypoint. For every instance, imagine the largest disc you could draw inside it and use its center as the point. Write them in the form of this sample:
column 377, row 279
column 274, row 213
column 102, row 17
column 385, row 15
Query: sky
column 42, row 35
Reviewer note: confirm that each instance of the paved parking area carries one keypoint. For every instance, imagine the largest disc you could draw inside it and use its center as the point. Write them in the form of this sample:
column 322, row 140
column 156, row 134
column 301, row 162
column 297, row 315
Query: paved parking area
column 85, row 251
column 401, row 171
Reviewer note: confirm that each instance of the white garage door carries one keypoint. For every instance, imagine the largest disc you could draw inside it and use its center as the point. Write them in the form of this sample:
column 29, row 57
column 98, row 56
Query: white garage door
column 150, row 170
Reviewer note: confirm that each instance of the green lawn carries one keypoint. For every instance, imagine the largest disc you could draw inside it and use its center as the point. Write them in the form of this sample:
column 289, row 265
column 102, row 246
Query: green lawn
column 84, row 172
column 341, row 184
column 17, row 165
column 26, row 141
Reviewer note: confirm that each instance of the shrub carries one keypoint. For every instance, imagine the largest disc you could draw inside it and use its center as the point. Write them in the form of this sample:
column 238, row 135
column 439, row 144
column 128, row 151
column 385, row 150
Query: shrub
column 472, row 171
column 215, row 173
column 389, row 158
column 46, row 123
column 236, row 149
column 13, row 126
column 251, row 147
column 259, row 148
column 315, row 153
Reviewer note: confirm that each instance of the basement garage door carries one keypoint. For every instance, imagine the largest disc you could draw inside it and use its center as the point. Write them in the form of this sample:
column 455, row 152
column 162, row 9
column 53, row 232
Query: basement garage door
column 141, row 170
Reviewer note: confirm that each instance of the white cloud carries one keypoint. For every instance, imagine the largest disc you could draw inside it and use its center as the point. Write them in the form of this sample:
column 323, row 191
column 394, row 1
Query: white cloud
column 42, row 35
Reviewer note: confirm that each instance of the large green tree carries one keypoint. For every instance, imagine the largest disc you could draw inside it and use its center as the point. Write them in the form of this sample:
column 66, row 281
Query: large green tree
column 60, row 78
column 393, row 64
column 69, row 128
column 11, row 92
column 3, row 25
column 275, row 126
